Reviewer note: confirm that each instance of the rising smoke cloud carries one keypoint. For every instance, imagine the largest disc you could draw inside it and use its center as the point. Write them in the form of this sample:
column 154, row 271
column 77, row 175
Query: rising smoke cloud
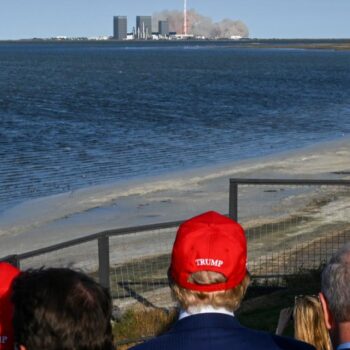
column 200, row 25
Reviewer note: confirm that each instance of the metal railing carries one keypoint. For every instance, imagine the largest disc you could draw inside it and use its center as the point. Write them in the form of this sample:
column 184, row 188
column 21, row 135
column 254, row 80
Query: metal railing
column 283, row 222
column 103, row 266
column 234, row 183
column 291, row 225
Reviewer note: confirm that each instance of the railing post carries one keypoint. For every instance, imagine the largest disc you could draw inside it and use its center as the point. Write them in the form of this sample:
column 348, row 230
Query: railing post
column 103, row 260
column 233, row 201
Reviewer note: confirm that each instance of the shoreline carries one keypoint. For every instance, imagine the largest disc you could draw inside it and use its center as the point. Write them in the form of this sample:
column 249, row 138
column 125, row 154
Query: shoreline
column 46, row 221
column 340, row 44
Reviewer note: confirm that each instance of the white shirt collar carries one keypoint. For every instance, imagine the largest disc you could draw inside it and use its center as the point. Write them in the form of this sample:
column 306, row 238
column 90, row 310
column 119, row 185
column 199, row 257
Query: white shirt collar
column 204, row 310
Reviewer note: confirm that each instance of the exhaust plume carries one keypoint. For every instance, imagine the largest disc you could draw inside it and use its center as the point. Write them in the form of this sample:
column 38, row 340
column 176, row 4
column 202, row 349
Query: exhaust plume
column 200, row 25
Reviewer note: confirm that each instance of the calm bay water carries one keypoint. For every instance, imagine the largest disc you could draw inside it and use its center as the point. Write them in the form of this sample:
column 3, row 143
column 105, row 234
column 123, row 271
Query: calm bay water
column 76, row 115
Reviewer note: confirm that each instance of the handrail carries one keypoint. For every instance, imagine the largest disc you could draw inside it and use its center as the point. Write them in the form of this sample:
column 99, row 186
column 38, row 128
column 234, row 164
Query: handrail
column 255, row 181
column 234, row 182
column 95, row 236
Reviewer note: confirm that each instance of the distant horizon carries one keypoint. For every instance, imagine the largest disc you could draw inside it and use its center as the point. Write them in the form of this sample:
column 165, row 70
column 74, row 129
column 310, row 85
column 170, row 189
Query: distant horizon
column 310, row 19
column 94, row 38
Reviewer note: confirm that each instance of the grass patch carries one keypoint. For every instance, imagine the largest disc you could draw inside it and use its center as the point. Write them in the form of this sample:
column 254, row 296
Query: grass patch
column 142, row 323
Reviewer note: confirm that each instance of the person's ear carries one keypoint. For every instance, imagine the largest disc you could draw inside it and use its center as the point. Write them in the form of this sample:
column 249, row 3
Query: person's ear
column 327, row 314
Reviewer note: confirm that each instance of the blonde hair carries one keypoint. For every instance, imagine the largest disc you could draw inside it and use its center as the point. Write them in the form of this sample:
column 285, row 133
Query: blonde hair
column 229, row 299
column 309, row 324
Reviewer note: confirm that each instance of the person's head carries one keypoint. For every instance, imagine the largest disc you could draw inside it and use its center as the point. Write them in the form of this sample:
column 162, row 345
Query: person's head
column 7, row 274
column 61, row 309
column 335, row 293
column 208, row 263
column 309, row 325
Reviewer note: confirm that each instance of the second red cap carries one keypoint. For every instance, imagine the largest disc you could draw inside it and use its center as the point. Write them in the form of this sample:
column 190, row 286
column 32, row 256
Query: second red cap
column 7, row 275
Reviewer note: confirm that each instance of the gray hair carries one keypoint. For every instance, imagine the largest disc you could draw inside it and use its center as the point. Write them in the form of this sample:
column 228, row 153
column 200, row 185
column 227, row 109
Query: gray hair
column 335, row 284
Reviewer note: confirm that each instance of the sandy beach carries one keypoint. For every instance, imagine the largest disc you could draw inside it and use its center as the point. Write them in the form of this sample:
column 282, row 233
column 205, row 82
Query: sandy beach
column 46, row 221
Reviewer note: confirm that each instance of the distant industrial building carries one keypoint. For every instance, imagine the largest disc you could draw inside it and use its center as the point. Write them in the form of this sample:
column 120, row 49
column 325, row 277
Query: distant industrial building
column 143, row 27
column 120, row 27
column 163, row 28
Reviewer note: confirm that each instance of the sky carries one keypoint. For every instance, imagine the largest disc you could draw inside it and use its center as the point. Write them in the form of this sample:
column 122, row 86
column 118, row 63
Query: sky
column 265, row 18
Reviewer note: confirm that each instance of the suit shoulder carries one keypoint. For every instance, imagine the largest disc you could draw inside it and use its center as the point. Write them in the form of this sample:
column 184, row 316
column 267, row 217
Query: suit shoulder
column 271, row 341
column 290, row 343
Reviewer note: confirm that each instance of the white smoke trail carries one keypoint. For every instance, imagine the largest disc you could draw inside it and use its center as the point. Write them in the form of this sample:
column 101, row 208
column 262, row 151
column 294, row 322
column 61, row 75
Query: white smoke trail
column 200, row 25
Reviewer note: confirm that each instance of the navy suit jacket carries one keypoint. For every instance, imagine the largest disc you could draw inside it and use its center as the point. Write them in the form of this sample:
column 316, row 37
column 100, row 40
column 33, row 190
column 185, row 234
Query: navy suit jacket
column 213, row 331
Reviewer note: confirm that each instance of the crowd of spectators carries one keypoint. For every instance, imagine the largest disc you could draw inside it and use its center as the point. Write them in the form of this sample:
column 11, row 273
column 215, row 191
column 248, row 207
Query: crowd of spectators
column 63, row 309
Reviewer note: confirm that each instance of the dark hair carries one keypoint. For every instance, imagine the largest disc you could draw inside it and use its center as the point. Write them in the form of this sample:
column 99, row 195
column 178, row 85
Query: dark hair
column 61, row 309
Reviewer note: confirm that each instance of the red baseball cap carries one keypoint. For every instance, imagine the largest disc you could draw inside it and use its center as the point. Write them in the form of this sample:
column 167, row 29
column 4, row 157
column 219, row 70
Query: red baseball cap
column 7, row 275
column 209, row 242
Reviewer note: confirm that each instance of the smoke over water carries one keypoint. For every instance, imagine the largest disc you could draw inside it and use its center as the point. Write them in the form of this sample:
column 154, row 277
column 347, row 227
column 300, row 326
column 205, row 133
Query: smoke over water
column 200, row 25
